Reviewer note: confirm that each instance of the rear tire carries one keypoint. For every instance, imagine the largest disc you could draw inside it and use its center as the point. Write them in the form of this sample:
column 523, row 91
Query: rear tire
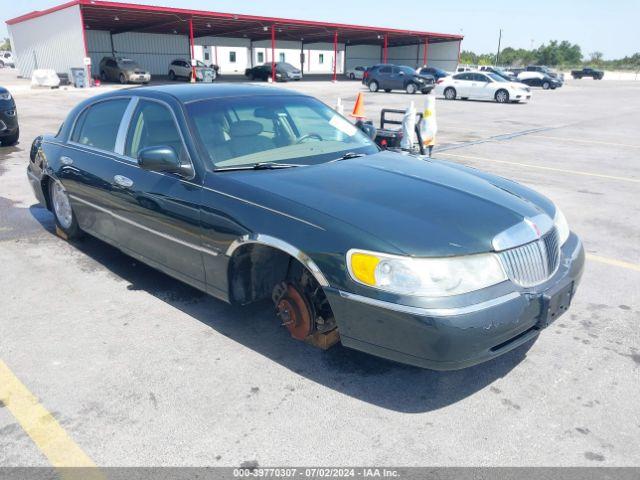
column 122, row 79
column 373, row 86
column 387, row 90
column 1, row 64
column 62, row 212
column 502, row 96
column 103, row 75
column 352, row 76
column 172, row 75
column 450, row 93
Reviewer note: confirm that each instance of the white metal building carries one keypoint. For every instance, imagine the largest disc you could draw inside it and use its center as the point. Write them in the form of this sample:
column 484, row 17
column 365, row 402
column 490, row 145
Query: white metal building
column 66, row 36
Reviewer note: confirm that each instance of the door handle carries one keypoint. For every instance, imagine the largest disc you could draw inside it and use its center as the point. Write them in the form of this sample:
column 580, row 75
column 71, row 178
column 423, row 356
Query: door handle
column 66, row 160
column 123, row 181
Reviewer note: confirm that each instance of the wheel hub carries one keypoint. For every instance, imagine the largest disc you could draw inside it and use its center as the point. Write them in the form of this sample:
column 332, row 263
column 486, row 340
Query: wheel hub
column 294, row 312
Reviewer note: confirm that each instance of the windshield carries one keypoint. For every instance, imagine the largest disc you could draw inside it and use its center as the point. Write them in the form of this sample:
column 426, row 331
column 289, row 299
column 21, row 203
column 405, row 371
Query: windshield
column 200, row 64
column 495, row 77
column 287, row 67
column 243, row 131
column 127, row 62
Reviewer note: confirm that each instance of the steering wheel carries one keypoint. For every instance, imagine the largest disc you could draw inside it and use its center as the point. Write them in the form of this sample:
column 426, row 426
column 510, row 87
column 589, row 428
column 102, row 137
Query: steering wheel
column 309, row 135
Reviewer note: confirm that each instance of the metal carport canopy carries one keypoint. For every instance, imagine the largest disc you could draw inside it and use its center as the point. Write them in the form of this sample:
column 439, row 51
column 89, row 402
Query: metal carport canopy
column 119, row 17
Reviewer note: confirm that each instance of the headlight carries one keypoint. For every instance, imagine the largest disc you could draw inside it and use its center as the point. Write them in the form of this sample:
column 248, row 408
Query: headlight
column 562, row 226
column 429, row 277
column 5, row 96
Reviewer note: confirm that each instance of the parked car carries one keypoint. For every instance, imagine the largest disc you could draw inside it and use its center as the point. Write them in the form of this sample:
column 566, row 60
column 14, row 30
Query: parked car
column 436, row 73
column 539, row 79
column 546, row 70
column 393, row 77
column 507, row 75
column 7, row 60
column 588, row 72
column 356, row 73
column 482, row 86
column 181, row 68
column 255, row 193
column 123, row 70
column 284, row 72
column 9, row 129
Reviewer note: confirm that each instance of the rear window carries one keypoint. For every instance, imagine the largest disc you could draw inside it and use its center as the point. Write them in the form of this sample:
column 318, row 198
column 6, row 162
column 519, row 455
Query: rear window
column 98, row 125
column 385, row 70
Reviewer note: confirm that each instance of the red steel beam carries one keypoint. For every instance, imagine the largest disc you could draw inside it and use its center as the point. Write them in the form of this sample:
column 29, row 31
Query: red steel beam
column 273, row 53
column 193, row 67
column 385, row 50
column 335, row 55
column 424, row 54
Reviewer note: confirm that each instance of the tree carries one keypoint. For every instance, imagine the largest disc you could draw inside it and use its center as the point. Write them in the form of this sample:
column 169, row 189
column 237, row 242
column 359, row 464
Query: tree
column 595, row 58
column 6, row 45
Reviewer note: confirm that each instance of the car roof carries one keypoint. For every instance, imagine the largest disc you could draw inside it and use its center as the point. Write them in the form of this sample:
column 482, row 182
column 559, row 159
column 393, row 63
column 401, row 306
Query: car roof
column 186, row 93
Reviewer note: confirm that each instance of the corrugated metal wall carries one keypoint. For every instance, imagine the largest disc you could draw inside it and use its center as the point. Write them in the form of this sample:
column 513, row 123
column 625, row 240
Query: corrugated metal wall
column 51, row 41
column 363, row 55
column 152, row 51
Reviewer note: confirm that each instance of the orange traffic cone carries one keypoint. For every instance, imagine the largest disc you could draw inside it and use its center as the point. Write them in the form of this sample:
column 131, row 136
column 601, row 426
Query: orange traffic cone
column 358, row 108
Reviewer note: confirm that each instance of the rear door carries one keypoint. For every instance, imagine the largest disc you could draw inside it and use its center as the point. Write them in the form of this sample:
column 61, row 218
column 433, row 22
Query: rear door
column 88, row 161
column 384, row 77
column 159, row 212
column 461, row 82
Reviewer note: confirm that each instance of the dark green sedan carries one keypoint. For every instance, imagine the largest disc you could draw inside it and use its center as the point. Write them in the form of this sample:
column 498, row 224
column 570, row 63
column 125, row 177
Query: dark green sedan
column 250, row 192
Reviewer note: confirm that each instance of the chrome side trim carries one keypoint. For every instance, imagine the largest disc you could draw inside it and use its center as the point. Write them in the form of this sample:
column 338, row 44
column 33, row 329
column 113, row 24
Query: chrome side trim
column 431, row 312
column 283, row 246
column 145, row 228
column 529, row 230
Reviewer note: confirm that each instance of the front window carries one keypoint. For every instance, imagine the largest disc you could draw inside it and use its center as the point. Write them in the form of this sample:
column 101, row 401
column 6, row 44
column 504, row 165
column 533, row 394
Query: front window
column 242, row 131
column 321, row 58
column 232, row 57
column 127, row 63
column 495, row 77
column 260, row 57
column 282, row 59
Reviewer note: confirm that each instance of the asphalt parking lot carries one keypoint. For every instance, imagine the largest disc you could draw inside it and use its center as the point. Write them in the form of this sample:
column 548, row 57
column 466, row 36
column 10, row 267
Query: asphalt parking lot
column 139, row 369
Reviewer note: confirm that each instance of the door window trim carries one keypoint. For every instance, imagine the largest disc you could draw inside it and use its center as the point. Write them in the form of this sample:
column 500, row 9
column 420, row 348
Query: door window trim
column 123, row 129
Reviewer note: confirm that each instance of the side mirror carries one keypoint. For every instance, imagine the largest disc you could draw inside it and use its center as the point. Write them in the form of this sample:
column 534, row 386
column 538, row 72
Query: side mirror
column 162, row 159
column 368, row 129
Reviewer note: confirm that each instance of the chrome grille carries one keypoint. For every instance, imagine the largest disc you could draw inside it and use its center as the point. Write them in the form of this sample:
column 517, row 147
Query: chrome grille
column 533, row 263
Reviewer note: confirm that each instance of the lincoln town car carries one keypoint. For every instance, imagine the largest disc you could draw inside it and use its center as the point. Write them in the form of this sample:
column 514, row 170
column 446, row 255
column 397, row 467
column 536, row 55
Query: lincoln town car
column 253, row 192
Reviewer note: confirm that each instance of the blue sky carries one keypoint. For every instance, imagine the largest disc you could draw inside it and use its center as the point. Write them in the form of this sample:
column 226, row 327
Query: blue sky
column 610, row 27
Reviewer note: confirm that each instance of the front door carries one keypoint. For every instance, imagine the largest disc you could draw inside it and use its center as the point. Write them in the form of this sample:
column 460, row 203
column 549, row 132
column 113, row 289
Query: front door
column 159, row 212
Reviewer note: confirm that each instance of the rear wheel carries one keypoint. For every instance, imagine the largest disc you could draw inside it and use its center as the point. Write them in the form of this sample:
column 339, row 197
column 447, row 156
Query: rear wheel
column 61, row 206
column 122, row 79
column 103, row 75
column 450, row 93
column 411, row 88
column 546, row 85
column 172, row 75
column 1, row 64
column 352, row 76
column 502, row 96
column 373, row 86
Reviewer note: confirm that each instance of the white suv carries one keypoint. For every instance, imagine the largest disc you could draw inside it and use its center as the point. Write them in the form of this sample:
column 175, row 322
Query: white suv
column 6, row 60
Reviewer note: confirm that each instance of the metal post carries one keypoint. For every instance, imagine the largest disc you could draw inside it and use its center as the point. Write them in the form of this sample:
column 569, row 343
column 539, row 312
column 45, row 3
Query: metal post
column 385, row 50
column 273, row 53
column 303, row 60
column 498, row 54
column 459, row 46
column 193, row 67
column 424, row 54
column 113, row 50
column 335, row 55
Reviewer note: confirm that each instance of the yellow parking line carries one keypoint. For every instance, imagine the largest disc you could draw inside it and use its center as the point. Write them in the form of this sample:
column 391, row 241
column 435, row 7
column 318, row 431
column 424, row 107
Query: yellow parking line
column 580, row 140
column 540, row 167
column 614, row 262
column 45, row 431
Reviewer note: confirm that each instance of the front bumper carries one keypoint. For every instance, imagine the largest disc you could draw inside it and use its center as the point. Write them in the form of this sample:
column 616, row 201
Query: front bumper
column 453, row 338
column 139, row 77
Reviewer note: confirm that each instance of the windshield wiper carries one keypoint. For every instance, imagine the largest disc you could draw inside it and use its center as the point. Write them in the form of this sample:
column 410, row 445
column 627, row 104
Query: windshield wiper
column 259, row 166
column 349, row 155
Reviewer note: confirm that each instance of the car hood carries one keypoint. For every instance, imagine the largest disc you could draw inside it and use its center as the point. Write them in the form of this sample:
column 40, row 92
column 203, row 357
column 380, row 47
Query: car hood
column 421, row 207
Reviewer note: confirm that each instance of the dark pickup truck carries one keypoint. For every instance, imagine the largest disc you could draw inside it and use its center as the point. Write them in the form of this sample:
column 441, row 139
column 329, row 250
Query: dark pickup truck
column 587, row 72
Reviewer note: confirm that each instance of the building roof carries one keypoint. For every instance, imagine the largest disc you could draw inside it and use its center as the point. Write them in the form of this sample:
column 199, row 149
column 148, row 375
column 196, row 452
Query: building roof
column 119, row 17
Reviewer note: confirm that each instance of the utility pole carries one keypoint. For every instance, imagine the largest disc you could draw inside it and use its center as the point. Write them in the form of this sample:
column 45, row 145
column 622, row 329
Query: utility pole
column 498, row 54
